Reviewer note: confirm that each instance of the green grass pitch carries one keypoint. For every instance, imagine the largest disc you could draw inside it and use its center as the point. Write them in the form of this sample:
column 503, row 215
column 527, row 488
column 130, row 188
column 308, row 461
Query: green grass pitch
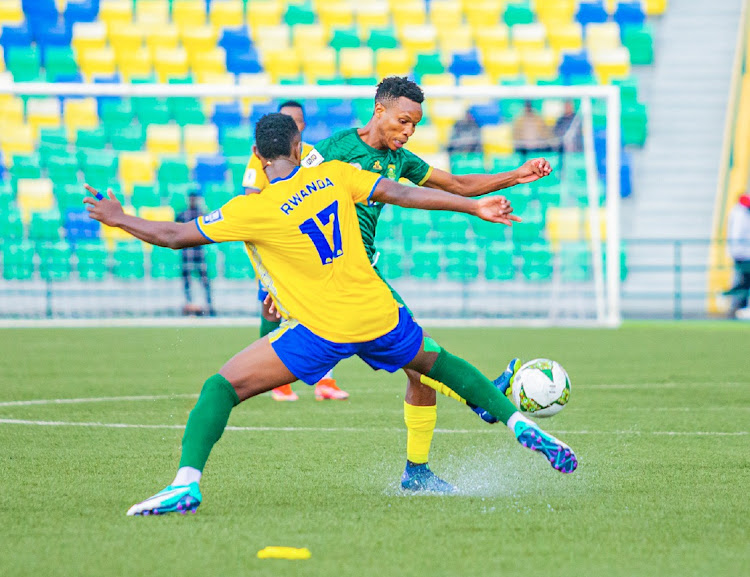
column 659, row 417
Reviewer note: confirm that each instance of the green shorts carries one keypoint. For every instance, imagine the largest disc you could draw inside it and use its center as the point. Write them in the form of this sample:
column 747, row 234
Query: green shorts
column 395, row 294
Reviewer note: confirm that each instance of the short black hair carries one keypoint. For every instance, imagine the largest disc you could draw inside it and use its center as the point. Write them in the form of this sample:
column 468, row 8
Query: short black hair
column 292, row 104
column 274, row 134
column 394, row 87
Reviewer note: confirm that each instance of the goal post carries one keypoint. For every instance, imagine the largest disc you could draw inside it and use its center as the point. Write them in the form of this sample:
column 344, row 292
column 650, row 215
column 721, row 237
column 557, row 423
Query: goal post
column 568, row 301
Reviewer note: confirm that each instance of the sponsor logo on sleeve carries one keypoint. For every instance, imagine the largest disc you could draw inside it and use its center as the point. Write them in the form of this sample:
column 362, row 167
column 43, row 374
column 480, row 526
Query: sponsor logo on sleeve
column 312, row 159
column 213, row 217
column 248, row 179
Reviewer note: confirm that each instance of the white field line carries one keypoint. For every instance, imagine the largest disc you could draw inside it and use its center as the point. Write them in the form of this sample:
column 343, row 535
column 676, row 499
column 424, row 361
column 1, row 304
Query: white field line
column 362, row 430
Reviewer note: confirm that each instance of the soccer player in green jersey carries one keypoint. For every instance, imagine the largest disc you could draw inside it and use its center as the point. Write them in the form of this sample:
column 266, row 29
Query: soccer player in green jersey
column 379, row 147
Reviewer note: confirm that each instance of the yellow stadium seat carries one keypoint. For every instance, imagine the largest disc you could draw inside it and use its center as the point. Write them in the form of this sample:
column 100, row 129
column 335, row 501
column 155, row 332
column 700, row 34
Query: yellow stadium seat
column 223, row 79
column 371, row 15
column 418, row 39
column 116, row 12
column 605, row 36
column 408, row 13
column 80, row 113
column 43, row 112
column 136, row 63
column 125, row 37
column 160, row 38
column 11, row 12
column 354, row 62
column 163, row 138
column 198, row 38
column 112, row 235
column 136, row 168
column 425, row 140
column 99, row 62
column 11, row 111
column 444, row 114
column 655, row 7
column 34, row 195
column 565, row 36
column 389, row 62
column 540, row 65
column 458, row 38
column 157, row 213
column 17, row 139
column 611, row 64
column 492, row 38
column 336, row 15
column 171, row 63
column 564, row 224
column 319, row 63
column 281, row 63
column 446, row 13
column 444, row 79
column 151, row 12
column 309, row 38
column 189, row 13
column 201, row 140
column 88, row 36
column 256, row 80
column 502, row 64
column 227, row 13
column 602, row 225
column 213, row 61
column 529, row 37
column 262, row 14
column 497, row 139
column 555, row 11
column 272, row 37
column 483, row 13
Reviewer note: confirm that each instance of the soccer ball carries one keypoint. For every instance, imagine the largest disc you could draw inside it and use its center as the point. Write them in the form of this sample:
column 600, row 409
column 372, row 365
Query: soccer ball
column 541, row 388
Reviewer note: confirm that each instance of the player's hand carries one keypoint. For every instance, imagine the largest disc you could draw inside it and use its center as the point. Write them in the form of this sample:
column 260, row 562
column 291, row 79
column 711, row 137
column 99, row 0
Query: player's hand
column 533, row 170
column 106, row 210
column 270, row 306
column 495, row 209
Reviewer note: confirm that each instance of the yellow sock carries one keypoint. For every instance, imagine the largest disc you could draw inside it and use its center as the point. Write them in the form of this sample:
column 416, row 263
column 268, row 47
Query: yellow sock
column 441, row 388
column 420, row 425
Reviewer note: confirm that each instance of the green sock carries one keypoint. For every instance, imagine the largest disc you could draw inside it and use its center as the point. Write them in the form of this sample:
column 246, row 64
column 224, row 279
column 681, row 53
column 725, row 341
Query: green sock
column 267, row 326
column 466, row 380
column 207, row 421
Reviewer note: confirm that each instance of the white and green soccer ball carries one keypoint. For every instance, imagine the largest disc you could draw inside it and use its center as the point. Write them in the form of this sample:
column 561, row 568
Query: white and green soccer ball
column 541, row 388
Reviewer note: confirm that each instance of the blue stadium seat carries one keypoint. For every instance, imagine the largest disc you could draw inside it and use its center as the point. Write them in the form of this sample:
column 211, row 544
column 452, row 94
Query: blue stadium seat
column 227, row 114
column 316, row 132
column 235, row 40
column 15, row 36
column 340, row 112
column 59, row 34
column 210, row 169
column 486, row 114
column 81, row 11
column 575, row 64
column 629, row 14
column 243, row 62
column 79, row 226
column 589, row 12
column 465, row 64
column 260, row 110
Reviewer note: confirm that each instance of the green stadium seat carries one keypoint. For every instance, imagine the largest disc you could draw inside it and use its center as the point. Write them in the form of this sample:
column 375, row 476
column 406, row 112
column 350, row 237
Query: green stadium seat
column 18, row 260
column 363, row 110
column 639, row 40
column 165, row 263
column 63, row 169
column 151, row 110
column 345, row 39
column 145, row 195
column 237, row 141
column 425, row 262
column 236, row 262
column 99, row 168
column 236, row 167
column 518, row 13
column 128, row 262
column 11, row 224
column 549, row 192
column 498, row 262
column 487, row 233
column 391, row 264
column 25, row 167
column 529, row 231
column 634, row 124
column 537, row 262
column 24, row 63
column 575, row 261
column 54, row 260
column 116, row 113
column 217, row 194
column 450, row 227
column 59, row 61
column 296, row 80
column 363, row 81
column 172, row 170
column 93, row 138
column 128, row 138
column 7, row 196
column 461, row 263
column 211, row 252
column 45, row 227
column 70, row 195
column 186, row 111
column 505, row 163
column 469, row 163
column 92, row 261
column 52, row 142
column 428, row 64
column 416, row 227
column 382, row 39
column 299, row 14
column 177, row 195
column 628, row 89
column 623, row 262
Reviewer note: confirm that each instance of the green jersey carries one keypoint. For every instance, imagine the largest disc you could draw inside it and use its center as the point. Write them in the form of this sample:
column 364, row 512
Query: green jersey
column 347, row 146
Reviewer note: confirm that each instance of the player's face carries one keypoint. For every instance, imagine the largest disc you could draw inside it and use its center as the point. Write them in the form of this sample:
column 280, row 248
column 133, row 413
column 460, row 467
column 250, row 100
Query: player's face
column 397, row 121
column 296, row 113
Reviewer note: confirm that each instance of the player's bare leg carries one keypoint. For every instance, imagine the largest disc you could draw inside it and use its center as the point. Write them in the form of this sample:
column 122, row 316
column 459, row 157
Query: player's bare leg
column 250, row 372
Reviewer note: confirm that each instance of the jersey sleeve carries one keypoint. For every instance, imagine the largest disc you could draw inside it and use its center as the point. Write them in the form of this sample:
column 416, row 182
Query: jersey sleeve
column 415, row 169
column 317, row 154
column 360, row 184
column 254, row 177
column 236, row 220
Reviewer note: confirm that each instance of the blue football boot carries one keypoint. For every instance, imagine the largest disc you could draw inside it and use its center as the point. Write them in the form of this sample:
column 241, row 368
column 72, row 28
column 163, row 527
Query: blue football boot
column 559, row 455
column 418, row 478
column 503, row 384
column 174, row 499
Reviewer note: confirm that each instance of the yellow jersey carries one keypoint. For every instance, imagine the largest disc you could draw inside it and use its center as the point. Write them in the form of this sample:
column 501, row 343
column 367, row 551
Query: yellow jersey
column 302, row 236
column 255, row 177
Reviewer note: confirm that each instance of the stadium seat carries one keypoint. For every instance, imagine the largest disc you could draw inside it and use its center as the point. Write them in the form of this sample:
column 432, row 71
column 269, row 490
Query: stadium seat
column 11, row 224
column 629, row 14
column 210, row 169
column 18, row 260
column 125, row 37
column 502, row 64
column 539, row 65
column 165, row 263
column 459, row 38
column 227, row 13
column 461, row 263
column 79, row 226
column 136, row 168
column 564, row 224
column 163, row 139
column 128, row 138
column 263, row 14
column 188, row 13
column 201, row 140
column 45, row 226
column 425, row 140
column 483, row 13
column 408, row 13
column 236, row 264
column 151, row 13
column 425, row 262
column 63, row 169
column 170, row 63
column 80, row 113
column 59, row 63
column 565, row 36
column 465, row 64
column 537, row 262
column 345, row 38
column 197, row 39
column 611, row 64
column 498, row 262
column 418, row 39
column 43, row 112
column 393, row 61
column 11, row 12
column 529, row 231
column 382, row 38
column 589, row 12
column 432, row 64
column 95, row 138
column 575, row 262
column 211, row 61
column 92, row 260
column 11, row 114
column 114, row 12
column 173, row 170
column 34, row 195
column 450, row 227
column 128, row 261
column 281, row 63
column 529, row 37
column 134, row 64
column 555, row 12
column 634, row 124
column 319, row 63
column 639, row 40
column 655, row 7
column 313, row 37
column 23, row 63
column 98, row 62
column 602, row 37
column 54, row 260
column 151, row 110
column 157, row 213
column 518, row 13
column 165, row 37
column 356, row 62
column 336, row 14
column 88, row 36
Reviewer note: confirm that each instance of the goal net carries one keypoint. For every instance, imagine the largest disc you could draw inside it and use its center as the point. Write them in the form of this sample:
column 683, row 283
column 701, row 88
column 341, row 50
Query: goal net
column 156, row 144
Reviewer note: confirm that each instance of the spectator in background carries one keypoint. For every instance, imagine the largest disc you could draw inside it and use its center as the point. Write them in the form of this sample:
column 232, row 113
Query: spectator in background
column 568, row 130
column 466, row 136
column 738, row 242
column 531, row 133
column 194, row 261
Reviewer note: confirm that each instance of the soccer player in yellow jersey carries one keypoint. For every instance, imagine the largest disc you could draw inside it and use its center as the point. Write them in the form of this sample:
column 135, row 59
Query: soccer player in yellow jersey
column 303, row 237
column 255, row 180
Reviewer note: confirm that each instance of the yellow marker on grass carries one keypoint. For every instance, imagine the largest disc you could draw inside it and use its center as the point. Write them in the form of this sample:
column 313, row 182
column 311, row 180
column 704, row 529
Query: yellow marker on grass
column 284, row 553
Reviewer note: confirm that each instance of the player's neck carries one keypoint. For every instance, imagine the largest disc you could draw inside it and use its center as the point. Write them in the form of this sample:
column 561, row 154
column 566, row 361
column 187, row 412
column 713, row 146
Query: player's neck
column 370, row 136
column 280, row 168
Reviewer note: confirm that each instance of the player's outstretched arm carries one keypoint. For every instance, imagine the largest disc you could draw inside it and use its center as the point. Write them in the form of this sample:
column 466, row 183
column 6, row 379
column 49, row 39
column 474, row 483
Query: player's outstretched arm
column 170, row 234
column 492, row 208
column 479, row 184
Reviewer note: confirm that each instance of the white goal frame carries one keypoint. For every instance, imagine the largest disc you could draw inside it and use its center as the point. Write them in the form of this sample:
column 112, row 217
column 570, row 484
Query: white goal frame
column 606, row 286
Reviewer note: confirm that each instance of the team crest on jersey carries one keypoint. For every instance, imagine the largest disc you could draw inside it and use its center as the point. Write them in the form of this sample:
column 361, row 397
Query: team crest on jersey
column 391, row 171
column 213, row 217
column 377, row 165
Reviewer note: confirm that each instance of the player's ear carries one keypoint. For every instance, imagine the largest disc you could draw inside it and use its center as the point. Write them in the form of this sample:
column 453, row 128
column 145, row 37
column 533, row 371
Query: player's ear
column 256, row 153
column 297, row 153
column 379, row 109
